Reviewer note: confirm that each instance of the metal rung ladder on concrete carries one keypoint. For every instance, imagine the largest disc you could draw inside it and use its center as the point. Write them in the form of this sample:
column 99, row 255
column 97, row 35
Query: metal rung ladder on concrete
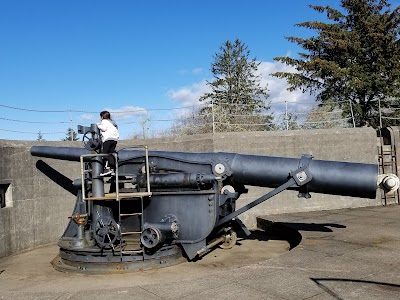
column 139, row 195
column 387, row 162
column 118, row 196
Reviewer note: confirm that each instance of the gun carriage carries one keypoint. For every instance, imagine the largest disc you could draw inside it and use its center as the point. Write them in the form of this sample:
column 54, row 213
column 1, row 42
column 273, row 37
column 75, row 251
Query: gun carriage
column 163, row 206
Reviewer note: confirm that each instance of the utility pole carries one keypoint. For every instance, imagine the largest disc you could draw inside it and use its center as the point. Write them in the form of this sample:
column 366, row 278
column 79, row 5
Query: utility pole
column 144, row 124
column 286, row 116
column 212, row 114
column 352, row 114
column 380, row 113
column 71, row 133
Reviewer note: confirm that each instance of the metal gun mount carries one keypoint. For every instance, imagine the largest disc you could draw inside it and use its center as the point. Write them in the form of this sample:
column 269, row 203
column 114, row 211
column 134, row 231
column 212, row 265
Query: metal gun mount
column 165, row 205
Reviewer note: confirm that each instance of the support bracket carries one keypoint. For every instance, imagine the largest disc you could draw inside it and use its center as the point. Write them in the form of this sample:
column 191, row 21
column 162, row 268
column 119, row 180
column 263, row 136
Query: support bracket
column 299, row 177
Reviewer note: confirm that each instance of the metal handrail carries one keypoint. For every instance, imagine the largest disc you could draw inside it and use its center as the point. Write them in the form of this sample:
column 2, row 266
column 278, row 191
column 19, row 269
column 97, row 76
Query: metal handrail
column 117, row 195
column 83, row 171
column 146, row 149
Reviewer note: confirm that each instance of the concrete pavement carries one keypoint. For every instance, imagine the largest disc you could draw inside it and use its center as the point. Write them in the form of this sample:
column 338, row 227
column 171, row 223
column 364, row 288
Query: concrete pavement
column 339, row 254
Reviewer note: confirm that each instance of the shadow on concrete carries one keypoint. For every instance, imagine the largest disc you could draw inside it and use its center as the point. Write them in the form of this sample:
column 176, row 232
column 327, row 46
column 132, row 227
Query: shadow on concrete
column 284, row 234
column 318, row 282
column 275, row 232
column 289, row 231
column 56, row 177
column 321, row 227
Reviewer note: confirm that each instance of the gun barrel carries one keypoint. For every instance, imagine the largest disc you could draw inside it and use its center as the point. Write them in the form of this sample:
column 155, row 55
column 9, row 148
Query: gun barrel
column 328, row 177
column 62, row 153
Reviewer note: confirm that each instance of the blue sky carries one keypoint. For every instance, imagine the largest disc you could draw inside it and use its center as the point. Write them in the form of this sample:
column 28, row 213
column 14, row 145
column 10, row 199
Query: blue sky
column 89, row 55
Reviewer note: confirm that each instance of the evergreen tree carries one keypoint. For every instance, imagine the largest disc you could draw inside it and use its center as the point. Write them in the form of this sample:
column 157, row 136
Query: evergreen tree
column 290, row 121
column 354, row 60
column 237, row 101
column 71, row 135
column 40, row 136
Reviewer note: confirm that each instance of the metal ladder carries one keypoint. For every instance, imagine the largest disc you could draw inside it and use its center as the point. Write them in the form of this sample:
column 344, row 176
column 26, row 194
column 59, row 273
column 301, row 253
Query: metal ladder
column 387, row 162
column 118, row 196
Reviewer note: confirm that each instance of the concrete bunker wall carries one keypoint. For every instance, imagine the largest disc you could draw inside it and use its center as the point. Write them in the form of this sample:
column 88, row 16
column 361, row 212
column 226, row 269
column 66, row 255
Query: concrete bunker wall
column 36, row 208
column 40, row 196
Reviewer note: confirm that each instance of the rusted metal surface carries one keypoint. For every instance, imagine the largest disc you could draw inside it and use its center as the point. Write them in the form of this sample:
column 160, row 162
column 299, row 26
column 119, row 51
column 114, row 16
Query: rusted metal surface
column 388, row 162
column 134, row 263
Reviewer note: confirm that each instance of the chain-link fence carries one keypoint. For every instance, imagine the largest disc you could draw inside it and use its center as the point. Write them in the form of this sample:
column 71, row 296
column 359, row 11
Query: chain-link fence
column 55, row 125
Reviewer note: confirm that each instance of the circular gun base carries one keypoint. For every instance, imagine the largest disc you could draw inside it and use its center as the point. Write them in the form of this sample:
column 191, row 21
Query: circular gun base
column 66, row 261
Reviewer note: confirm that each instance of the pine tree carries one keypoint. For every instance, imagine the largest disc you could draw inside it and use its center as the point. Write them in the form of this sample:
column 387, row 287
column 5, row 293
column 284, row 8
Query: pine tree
column 40, row 136
column 353, row 61
column 71, row 135
column 237, row 101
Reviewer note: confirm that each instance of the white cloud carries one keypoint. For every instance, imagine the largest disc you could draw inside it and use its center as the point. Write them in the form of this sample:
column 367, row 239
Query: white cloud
column 188, row 96
column 277, row 89
column 126, row 112
column 122, row 113
column 197, row 71
column 87, row 117
column 278, row 93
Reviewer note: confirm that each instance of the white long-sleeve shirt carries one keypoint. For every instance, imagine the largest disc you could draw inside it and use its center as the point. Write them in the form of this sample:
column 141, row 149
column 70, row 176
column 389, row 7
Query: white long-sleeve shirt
column 108, row 131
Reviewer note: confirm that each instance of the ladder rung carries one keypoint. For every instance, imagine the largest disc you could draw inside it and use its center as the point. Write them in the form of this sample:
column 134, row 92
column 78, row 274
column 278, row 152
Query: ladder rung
column 130, row 232
column 121, row 196
column 131, row 251
column 134, row 214
column 128, row 195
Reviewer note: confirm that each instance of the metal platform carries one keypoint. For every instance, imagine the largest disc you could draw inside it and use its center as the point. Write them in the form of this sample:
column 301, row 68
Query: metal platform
column 114, row 196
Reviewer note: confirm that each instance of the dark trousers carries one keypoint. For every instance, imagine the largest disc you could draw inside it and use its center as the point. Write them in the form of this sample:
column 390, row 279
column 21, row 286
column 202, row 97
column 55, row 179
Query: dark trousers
column 109, row 147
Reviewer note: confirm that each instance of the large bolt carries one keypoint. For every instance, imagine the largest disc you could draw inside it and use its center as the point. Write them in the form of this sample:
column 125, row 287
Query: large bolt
column 390, row 182
column 219, row 168
column 301, row 176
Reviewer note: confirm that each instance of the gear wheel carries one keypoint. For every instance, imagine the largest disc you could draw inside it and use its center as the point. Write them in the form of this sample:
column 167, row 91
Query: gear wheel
column 230, row 239
column 106, row 231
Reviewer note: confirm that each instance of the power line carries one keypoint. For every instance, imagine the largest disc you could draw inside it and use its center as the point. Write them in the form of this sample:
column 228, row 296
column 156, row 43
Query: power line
column 29, row 132
column 34, row 122
column 177, row 119
column 95, row 112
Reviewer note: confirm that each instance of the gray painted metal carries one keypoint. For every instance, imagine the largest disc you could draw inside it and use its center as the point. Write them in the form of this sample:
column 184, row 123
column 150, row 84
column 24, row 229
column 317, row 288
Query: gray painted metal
column 329, row 177
column 195, row 193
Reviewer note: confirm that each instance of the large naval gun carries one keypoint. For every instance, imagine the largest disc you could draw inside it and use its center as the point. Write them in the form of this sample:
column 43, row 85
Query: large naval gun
column 162, row 207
